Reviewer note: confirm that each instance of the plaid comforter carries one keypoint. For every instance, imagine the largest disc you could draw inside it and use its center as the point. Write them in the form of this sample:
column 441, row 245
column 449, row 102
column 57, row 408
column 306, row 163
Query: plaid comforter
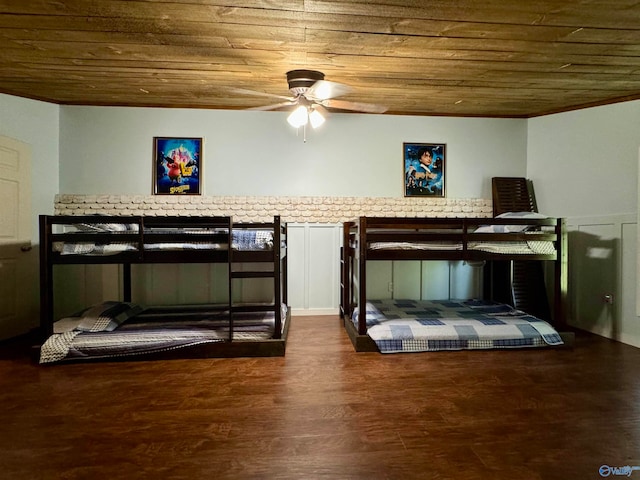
column 421, row 326
column 134, row 338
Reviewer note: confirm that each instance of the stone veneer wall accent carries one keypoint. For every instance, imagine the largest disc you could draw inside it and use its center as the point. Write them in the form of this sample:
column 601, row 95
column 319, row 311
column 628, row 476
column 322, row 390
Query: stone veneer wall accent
column 262, row 209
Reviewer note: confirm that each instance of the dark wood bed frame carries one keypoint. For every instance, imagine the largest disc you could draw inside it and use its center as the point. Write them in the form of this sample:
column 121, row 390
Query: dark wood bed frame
column 276, row 257
column 355, row 252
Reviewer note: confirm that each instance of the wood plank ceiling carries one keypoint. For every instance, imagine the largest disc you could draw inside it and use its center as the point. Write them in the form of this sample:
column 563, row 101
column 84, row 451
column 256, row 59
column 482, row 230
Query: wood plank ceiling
column 497, row 58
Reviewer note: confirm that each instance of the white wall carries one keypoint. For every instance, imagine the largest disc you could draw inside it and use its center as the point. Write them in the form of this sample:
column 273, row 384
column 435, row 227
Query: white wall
column 586, row 162
column 584, row 165
column 109, row 150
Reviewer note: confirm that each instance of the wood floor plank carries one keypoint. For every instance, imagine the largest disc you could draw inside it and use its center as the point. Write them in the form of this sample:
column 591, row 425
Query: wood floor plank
column 324, row 411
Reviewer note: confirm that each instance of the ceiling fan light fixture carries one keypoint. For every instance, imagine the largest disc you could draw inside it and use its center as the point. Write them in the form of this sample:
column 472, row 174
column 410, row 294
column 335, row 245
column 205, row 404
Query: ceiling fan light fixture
column 298, row 117
column 316, row 118
column 300, row 80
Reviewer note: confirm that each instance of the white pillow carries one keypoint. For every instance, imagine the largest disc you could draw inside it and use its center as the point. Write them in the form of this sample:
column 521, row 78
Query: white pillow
column 106, row 227
column 509, row 228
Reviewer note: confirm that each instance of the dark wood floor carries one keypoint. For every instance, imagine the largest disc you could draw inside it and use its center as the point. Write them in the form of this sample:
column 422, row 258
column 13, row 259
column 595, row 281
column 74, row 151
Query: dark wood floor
column 325, row 412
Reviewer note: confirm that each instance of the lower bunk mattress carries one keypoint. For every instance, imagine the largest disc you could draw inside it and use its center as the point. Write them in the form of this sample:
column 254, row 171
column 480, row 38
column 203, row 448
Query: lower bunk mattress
column 422, row 326
column 113, row 330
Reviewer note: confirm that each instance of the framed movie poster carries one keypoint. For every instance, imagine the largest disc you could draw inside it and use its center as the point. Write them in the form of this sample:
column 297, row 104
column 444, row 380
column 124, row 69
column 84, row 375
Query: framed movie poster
column 424, row 169
column 177, row 165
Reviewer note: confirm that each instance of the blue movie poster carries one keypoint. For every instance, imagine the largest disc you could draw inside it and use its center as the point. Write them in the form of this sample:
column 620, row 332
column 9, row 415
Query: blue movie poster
column 424, row 169
column 178, row 166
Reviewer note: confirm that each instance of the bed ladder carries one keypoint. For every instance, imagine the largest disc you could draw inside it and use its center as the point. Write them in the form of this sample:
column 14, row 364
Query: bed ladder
column 520, row 283
column 252, row 265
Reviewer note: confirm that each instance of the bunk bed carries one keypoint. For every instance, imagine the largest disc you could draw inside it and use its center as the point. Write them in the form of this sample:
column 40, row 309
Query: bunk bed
column 122, row 329
column 403, row 325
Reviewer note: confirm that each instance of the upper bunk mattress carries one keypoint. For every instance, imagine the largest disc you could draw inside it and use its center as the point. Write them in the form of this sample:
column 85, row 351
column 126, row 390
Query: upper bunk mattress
column 242, row 240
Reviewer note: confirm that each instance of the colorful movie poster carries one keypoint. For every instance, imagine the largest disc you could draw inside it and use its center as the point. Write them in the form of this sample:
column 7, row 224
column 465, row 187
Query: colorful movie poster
column 178, row 166
column 424, row 169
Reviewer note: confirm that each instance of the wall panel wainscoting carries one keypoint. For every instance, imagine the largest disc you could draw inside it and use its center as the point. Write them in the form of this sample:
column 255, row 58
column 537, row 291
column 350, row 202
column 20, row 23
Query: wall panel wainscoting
column 602, row 276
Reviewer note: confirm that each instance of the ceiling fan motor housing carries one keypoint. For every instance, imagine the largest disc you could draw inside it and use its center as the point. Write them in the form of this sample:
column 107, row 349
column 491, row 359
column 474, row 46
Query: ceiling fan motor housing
column 301, row 80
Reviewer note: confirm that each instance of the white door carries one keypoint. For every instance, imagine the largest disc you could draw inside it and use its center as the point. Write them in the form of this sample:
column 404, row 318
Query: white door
column 18, row 261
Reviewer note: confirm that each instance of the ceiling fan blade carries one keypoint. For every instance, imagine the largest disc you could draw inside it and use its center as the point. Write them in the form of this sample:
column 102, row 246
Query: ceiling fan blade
column 323, row 111
column 355, row 106
column 273, row 107
column 324, row 89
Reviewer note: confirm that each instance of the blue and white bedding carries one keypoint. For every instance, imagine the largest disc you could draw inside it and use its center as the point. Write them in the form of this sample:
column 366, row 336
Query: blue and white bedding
column 252, row 239
column 242, row 239
column 422, row 326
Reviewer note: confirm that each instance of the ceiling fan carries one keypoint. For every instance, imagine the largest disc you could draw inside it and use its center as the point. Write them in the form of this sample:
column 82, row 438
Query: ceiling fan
column 311, row 96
